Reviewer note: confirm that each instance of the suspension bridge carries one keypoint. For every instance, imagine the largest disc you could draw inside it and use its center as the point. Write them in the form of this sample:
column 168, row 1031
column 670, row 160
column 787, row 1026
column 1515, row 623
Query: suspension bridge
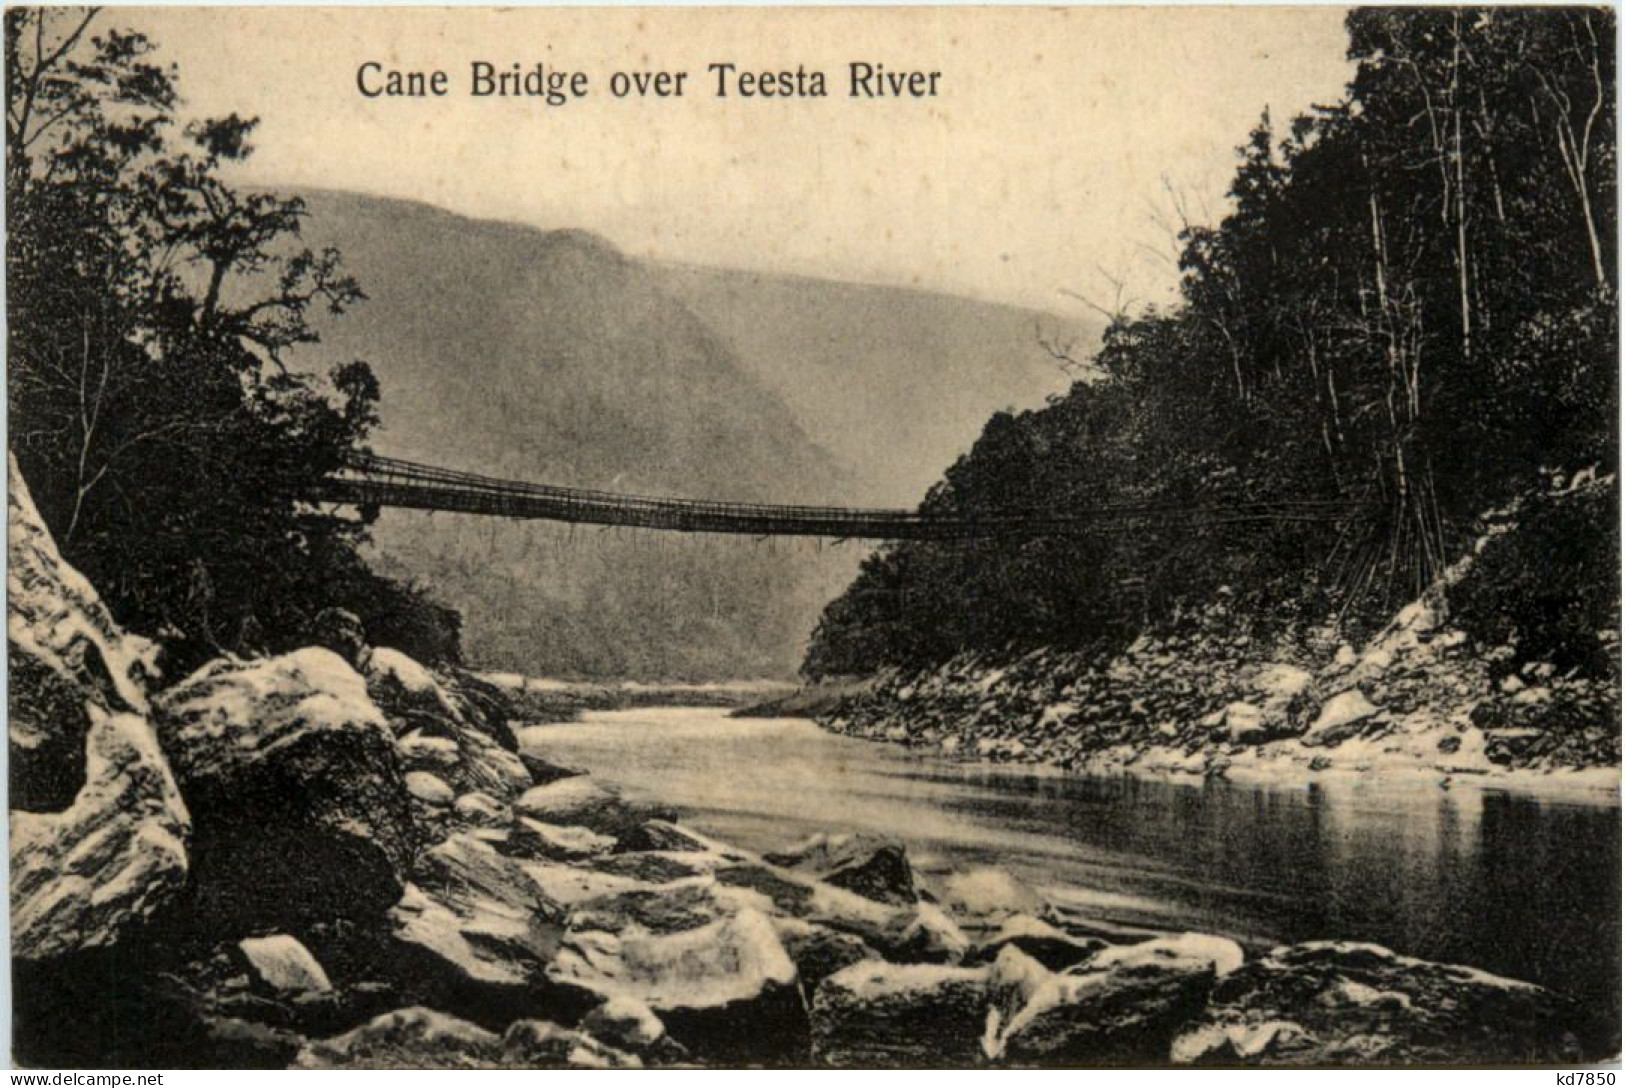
column 368, row 480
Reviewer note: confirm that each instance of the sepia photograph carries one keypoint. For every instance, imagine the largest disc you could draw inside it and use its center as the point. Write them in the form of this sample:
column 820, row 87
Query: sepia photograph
column 892, row 538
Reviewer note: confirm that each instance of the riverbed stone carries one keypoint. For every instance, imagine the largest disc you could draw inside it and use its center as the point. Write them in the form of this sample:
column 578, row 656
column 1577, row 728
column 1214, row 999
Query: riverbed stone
column 539, row 841
column 472, row 931
column 985, row 896
column 1123, row 1007
column 579, row 801
column 284, row 965
column 726, row 990
column 910, row 1015
column 410, row 1038
column 1344, row 715
column 1052, row 947
column 1347, row 1003
column 540, row 1044
column 873, row 867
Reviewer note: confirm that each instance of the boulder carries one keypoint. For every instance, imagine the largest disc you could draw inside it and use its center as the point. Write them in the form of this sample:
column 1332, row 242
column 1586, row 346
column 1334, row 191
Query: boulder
column 986, row 896
column 928, row 936
column 48, row 725
column 666, row 835
column 471, row 931
column 579, row 801
column 726, row 990
column 1055, row 949
column 293, row 773
column 542, row 771
column 1123, row 1007
column 412, row 1038
column 1286, row 697
column 1342, row 717
column 874, row 868
column 485, row 766
column 887, row 1015
column 482, row 810
column 667, row 908
column 55, row 618
column 632, row 1027
column 539, row 1044
column 914, row 934
column 818, row 951
column 1344, row 1003
column 540, row 841
column 655, row 866
column 283, row 965
column 1243, row 723
column 428, row 788
column 422, row 752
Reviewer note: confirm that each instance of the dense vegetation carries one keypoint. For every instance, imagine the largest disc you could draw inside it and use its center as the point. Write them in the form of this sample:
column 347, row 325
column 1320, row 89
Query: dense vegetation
column 150, row 311
column 1410, row 308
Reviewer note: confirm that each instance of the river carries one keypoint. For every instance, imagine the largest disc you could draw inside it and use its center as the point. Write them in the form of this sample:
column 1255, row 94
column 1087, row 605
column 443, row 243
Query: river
column 1521, row 885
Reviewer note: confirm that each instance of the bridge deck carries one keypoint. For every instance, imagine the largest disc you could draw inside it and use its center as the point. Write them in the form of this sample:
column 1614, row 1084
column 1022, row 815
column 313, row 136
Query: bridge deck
column 379, row 481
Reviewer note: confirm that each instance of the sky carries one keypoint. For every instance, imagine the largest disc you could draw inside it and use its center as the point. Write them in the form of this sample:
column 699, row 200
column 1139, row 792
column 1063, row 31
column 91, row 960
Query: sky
column 1052, row 162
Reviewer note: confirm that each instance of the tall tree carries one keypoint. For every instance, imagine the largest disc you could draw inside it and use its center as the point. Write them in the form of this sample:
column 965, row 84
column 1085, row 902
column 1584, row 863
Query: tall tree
column 149, row 307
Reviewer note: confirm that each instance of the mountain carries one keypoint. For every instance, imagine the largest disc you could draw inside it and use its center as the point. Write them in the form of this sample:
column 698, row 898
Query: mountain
column 894, row 383
column 551, row 356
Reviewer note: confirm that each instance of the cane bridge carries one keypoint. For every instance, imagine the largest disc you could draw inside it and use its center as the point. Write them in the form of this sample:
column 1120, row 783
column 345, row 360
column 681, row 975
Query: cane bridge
column 368, row 480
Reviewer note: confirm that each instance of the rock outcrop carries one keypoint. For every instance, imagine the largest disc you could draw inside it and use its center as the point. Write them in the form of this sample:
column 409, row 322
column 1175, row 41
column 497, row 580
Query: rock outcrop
column 293, row 773
column 99, row 830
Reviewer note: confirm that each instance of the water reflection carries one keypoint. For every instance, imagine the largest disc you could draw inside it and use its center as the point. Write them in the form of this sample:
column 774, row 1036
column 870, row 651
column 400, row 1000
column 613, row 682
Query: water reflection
column 1517, row 885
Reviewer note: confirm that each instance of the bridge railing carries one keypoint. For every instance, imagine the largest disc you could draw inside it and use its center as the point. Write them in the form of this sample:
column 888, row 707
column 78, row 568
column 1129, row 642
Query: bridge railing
column 369, row 479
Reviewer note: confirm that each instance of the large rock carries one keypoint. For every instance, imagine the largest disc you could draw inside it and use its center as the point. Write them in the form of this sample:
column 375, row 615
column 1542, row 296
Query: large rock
column 539, row 1044
column 726, row 990
column 1122, row 1007
column 986, row 896
column 883, row 1014
column 1053, row 948
column 100, row 843
column 578, row 801
column 872, row 867
column 920, row 933
column 87, row 876
column 421, row 1038
column 284, row 965
column 1341, row 1003
column 1344, row 715
column 413, row 1038
column 472, row 930
column 292, row 771
column 412, row 695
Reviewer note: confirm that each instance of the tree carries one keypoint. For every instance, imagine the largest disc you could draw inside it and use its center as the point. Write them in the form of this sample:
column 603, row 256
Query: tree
column 167, row 443
column 1408, row 310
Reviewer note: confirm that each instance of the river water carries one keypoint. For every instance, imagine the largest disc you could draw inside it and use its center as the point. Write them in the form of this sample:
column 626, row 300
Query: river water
column 1517, row 884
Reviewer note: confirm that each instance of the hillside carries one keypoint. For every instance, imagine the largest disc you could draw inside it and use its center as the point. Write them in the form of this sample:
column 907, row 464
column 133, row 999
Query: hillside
column 895, row 383
column 549, row 355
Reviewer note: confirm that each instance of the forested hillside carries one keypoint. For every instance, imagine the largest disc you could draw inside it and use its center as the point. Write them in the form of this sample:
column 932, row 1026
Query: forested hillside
column 1409, row 309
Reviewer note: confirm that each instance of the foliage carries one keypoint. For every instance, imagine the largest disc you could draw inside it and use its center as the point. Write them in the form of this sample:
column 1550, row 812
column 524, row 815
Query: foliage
column 150, row 307
column 1550, row 585
column 1409, row 310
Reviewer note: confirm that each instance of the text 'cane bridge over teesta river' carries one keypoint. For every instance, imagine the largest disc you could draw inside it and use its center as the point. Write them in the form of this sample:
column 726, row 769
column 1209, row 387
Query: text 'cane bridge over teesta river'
column 367, row 480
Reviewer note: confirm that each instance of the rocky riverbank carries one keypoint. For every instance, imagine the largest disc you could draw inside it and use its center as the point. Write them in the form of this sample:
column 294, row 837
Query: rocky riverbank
column 339, row 858
column 1204, row 697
